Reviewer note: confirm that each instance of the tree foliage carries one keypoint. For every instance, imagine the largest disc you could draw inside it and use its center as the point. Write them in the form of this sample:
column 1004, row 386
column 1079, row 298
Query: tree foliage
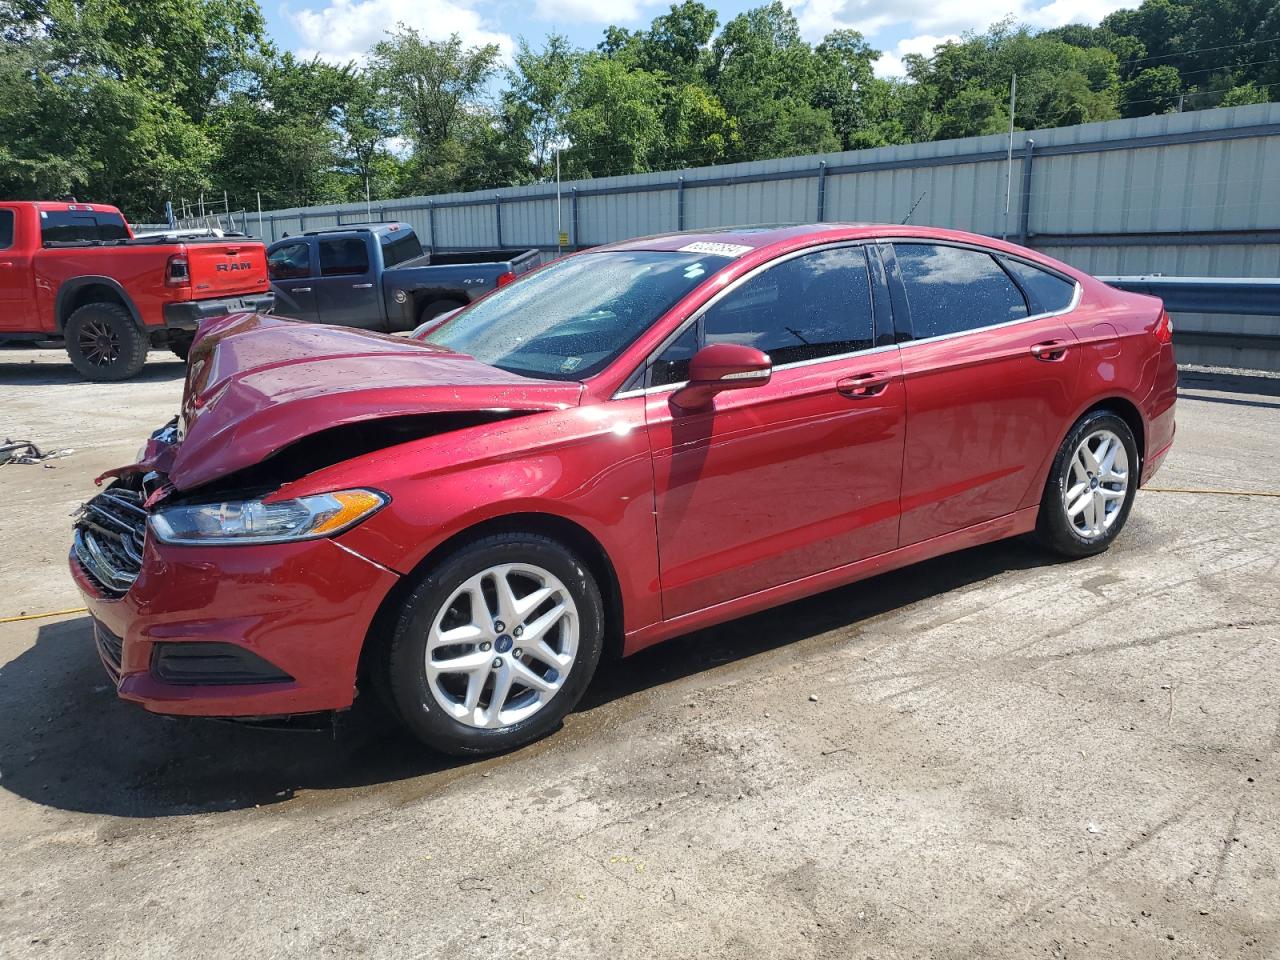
column 139, row 103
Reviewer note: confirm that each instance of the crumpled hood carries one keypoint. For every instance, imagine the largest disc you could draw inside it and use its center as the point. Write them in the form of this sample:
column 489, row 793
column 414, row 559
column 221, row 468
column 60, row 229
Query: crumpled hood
column 256, row 384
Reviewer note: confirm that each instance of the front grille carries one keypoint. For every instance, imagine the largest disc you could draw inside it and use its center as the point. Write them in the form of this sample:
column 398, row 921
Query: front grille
column 108, row 537
column 110, row 649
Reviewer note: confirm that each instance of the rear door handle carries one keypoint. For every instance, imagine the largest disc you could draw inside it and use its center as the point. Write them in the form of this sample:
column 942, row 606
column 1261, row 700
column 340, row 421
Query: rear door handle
column 865, row 384
column 1050, row 350
column 361, row 286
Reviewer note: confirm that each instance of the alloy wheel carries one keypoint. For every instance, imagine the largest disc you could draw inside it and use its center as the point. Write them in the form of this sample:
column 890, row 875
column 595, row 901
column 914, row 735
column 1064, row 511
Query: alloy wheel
column 99, row 343
column 501, row 647
column 1097, row 483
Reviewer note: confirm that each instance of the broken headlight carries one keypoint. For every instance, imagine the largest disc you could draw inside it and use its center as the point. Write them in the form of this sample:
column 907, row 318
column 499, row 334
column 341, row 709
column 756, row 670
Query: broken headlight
column 256, row 521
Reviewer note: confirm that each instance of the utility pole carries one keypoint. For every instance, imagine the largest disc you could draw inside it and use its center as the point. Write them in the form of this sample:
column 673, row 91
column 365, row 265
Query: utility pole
column 368, row 203
column 1008, row 175
column 559, row 232
column 261, row 235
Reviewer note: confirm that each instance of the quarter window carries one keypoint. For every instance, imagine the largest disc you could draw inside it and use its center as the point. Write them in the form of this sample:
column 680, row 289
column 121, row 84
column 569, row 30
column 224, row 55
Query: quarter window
column 809, row 307
column 1047, row 292
column 289, row 262
column 951, row 289
column 343, row 256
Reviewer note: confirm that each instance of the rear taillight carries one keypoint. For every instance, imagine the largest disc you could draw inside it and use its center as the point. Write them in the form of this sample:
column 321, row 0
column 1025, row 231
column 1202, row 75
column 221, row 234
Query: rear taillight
column 177, row 272
column 1164, row 328
column 505, row 278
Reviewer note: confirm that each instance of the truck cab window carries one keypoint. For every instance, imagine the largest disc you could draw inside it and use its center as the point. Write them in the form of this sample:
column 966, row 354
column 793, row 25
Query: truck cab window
column 6, row 229
column 343, row 257
column 290, row 262
column 399, row 246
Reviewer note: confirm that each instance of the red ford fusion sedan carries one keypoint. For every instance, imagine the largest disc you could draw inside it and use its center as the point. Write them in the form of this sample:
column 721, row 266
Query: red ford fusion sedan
column 628, row 444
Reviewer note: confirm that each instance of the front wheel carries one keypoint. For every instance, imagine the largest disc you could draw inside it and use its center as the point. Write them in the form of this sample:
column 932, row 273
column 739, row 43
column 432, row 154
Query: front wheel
column 495, row 645
column 1091, row 486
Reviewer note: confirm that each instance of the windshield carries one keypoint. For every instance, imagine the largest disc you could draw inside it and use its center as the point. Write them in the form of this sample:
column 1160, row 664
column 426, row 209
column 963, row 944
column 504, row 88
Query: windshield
column 573, row 318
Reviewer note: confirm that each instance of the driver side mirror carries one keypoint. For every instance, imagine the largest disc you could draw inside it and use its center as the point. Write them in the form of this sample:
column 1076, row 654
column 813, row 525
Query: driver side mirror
column 722, row 366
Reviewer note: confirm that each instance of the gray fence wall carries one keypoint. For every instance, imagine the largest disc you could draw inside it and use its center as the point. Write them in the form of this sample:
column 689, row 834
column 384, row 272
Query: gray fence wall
column 1192, row 194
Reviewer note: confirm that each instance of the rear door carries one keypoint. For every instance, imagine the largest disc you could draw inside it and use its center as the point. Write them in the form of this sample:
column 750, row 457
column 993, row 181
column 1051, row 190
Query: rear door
column 17, row 280
column 346, row 289
column 292, row 267
column 792, row 478
column 990, row 384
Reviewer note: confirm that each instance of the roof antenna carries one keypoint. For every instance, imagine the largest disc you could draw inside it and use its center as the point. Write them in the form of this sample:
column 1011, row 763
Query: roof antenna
column 914, row 205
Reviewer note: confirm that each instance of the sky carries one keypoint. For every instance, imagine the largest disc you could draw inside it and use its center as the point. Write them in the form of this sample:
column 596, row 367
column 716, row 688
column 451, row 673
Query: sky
column 341, row 30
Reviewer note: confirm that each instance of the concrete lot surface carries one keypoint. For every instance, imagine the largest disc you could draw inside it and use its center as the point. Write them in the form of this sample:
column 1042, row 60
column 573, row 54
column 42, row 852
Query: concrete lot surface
column 989, row 755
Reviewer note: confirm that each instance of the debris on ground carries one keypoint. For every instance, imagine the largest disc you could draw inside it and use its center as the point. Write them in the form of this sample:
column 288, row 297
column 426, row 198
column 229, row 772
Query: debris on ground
column 25, row 451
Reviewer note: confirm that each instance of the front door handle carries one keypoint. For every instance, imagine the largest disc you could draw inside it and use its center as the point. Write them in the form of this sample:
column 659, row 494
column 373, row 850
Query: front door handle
column 865, row 384
column 301, row 289
column 361, row 286
column 1050, row 351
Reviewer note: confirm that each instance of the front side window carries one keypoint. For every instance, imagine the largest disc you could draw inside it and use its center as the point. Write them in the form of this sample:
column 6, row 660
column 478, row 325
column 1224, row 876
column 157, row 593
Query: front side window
column 343, row 257
column 573, row 318
column 952, row 289
column 289, row 262
column 806, row 308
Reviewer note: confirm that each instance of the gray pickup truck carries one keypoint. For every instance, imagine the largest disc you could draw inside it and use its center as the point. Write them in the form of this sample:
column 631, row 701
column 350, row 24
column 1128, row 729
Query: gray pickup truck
column 377, row 277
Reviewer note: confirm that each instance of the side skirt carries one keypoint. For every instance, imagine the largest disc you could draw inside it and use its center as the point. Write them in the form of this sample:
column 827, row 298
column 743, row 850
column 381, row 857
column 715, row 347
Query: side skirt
column 1011, row 525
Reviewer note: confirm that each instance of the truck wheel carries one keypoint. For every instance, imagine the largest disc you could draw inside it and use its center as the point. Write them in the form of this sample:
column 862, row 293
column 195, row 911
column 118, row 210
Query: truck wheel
column 180, row 343
column 104, row 343
column 437, row 307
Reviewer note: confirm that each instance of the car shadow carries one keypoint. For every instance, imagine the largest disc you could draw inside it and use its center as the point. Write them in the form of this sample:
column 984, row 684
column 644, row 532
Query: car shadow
column 17, row 370
column 1228, row 383
column 67, row 742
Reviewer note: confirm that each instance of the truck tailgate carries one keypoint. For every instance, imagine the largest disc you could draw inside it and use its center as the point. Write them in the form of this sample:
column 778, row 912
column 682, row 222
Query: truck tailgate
column 225, row 268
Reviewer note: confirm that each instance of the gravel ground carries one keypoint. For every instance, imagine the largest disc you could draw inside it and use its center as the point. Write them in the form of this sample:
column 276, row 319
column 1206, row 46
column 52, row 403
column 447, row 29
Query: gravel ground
column 988, row 755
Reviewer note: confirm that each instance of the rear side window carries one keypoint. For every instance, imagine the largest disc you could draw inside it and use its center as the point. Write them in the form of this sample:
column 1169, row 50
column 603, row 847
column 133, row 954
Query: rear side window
column 808, row 307
column 289, row 262
column 1047, row 292
column 64, row 226
column 343, row 256
column 6, row 229
column 399, row 246
column 951, row 289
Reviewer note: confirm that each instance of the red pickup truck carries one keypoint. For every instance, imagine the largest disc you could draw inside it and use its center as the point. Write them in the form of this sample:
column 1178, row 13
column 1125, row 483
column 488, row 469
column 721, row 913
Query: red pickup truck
column 75, row 274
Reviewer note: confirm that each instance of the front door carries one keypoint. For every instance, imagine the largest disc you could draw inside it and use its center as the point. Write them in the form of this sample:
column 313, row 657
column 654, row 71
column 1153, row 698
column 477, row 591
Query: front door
column 775, row 483
column 292, row 270
column 989, row 384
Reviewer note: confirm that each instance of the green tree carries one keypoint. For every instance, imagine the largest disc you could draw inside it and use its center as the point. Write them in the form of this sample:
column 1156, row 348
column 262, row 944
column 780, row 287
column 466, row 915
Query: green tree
column 536, row 101
column 615, row 119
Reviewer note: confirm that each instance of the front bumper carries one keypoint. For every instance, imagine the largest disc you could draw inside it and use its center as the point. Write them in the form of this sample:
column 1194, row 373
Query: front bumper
column 187, row 314
column 304, row 608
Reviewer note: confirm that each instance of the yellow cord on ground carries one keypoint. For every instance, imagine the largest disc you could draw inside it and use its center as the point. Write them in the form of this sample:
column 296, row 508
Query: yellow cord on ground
column 41, row 616
column 1216, row 493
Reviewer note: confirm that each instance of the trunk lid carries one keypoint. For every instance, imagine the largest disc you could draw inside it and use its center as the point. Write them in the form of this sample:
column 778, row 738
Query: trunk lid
column 258, row 384
column 223, row 268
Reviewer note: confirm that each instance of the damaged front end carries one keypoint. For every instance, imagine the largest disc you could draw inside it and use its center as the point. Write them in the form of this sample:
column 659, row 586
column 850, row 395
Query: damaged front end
column 216, row 593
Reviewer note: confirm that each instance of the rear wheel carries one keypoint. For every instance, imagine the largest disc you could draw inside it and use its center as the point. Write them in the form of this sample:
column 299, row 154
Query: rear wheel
column 180, row 343
column 1091, row 486
column 496, row 644
column 437, row 307
column 104, row 343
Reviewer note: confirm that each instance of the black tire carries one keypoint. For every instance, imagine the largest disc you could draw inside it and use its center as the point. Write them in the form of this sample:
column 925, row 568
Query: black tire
column 104, row 343
column 1054, row 526
column 180, row 343
column 406, row 654
column 433, row 309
